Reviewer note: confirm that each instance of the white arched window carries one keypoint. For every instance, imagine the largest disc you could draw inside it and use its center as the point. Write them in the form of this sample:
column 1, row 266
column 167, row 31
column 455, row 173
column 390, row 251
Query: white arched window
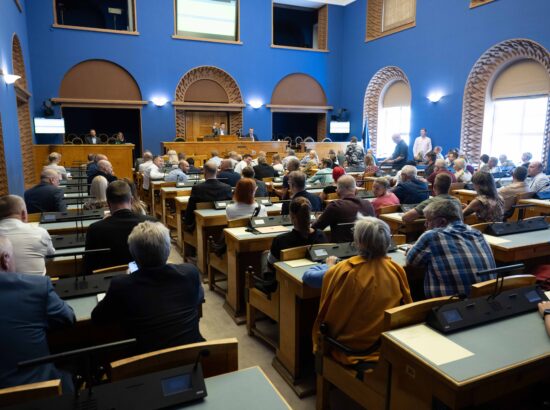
column 515, row 112
column 394, row 116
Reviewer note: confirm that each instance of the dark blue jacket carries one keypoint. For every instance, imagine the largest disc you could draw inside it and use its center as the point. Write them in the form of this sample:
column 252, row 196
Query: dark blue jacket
column 229, row 177
column 45, row 198
column 411, row 192
column 313, row 199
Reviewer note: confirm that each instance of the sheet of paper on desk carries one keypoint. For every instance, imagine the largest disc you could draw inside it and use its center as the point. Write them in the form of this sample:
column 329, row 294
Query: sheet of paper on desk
column 430, row 344
column 495, row 240
column 299, row 262
column 272, row 229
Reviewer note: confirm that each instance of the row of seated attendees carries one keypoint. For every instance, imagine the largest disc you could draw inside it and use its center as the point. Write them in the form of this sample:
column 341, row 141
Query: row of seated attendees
column 347, row 286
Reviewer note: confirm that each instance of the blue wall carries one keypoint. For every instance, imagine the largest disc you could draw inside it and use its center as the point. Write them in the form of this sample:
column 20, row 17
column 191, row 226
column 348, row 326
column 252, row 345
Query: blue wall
column 158, row 62
column 437, row 54
column 12, row 21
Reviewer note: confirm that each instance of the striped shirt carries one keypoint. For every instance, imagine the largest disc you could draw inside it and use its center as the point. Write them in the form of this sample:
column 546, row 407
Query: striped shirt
column 453, row 255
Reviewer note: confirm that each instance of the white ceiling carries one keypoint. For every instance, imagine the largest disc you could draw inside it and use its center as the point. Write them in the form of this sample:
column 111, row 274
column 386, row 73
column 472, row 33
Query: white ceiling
column 314, row 3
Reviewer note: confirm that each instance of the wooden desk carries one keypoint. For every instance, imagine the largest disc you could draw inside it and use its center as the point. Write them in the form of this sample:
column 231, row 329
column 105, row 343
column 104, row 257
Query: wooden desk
column 507, row 356
column 155, row 198
column 192, row 149
column 520, row 247
column 540, row 207
column 298, row 307
column 181, row 205
column 120, row 156
column 396, row 224
column 167, row 194
column 57, row 228
column 62, row 266
column 465, row 196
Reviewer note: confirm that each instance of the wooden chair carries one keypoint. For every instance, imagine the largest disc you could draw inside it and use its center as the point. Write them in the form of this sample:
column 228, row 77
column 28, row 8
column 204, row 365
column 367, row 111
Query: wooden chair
column 34, row 217
column 518, row 211
column 399, row 239
column 456, row 185
column 223, row 358
column 190, row 238
column 28, row 392
column 370, row 392
column 170, row 209
column 390, row 209
column 118, row 268
column 510, row 282
column 217, row 265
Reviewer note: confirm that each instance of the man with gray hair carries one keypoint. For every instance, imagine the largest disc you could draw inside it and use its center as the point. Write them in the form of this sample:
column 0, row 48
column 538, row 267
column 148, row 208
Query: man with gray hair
column 411, row 190
column 461, row 173
column 209, row 191
column 451, row 251
column 539, row 181
column 46, row 196
column 343, row 211
column 297, row 188
column 440, row 167
column 158, row 303
column 31, row 243
column 227, row 175
column 29, row 307
column 290, row 155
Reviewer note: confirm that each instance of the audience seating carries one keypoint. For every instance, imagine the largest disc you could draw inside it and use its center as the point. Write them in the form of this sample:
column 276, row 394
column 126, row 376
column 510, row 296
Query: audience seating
column 371, row 391
column 28, row 392
column 390, row 209
column 222, row 358
column 510, row 282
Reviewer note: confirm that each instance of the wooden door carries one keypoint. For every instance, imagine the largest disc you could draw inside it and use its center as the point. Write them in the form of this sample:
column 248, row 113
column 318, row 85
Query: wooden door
column 199, row 123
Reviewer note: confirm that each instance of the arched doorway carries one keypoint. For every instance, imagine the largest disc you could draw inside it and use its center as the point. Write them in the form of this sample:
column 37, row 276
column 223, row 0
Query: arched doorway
column 479, row 85
column 205, row 95
column 299, row 107
column 22, row 96
column 373, row 103
column 102, row 95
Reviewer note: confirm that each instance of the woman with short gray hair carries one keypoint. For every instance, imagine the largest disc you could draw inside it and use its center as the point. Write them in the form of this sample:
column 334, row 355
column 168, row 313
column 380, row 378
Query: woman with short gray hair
column 149, row 244
column 357, row 291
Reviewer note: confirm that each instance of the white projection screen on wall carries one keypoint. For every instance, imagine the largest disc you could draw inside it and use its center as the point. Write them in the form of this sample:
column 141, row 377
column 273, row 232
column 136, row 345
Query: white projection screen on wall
column 208, row 19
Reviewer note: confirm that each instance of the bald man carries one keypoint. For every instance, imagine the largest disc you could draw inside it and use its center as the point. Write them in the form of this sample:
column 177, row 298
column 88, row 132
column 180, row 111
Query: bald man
column 29, row 307
column 539, row 182
column 227, row 175
column 31, row 243
column 179, row 174
column 46, row 196
column 103, row 167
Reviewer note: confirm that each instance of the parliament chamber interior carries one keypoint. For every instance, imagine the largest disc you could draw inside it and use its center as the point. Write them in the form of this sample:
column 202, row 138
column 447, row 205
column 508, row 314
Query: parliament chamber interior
column 275, row 204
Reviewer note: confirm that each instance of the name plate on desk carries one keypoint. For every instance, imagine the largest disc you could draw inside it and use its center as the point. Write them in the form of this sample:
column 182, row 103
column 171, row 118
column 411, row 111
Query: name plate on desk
column 473, row 312
column 50, row 217
column 223, row 204
column 283, row 220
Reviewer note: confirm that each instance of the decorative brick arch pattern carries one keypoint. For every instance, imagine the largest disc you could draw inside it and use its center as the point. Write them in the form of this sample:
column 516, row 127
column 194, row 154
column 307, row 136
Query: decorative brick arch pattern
column 477, row 90
column 23, row 113
column 371, row 104
column 227, row 82
column 3, row 173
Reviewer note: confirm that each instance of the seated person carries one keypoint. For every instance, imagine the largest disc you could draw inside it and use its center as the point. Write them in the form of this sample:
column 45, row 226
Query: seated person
column 192, row 168
column 91, row 169
column 112, row 232
column 153, row 173
column 244, row 205
column 510, row 192
column 441, row 188
column 324, row 175
column 370, row 166
column 264, row 170
column 337, row 172
column 227, row 175
column 98, row 193
column 505, row 162
column 297, row 188
column 357, row 291
column 172, row 158
column 488, row 205
column 245, row 162
column 343, row 210
column 179, row 174
column 526, row 159
column 410, row 190
column 100, row 170
column 31, row 244
column 400, row 154
column 440, row 168
column 539, row 181
column 215, row 157
column 146, row 161
column 492, row 164
column 461, row 173
column 483, row 163
column 46, row 196
column 333, row 157
column 277, row 164
column 53, row 163
column 302, row 233
column 310, row 157
column 431, row 157
column 292, row 165
column 157, row 304
column 29, row 307
column 138, row 206
column 261, row 187
column 384, row 197
column 313, row 276
column 290, row 155
column 208, row 191
column 451, row 251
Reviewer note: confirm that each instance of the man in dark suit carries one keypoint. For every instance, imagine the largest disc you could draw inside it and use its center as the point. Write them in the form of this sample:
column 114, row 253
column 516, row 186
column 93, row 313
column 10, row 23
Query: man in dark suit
column 227, row 175
column 297, row 188
column 411, row 190
column 157, row 304
column 28, row 308
column 112, row 232
column 46, row 196
column 264, row 170
column 251, row 136
column 92, row 138
column 261, row 188
column 104, row 169
column 210, row 190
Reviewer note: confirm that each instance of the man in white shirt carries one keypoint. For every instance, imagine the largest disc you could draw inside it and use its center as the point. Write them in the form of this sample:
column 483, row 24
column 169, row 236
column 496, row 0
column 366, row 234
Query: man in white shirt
column 179, row 174
column 147, row 161
column 215, row 156
column 153, row 172
column 246, row 162
column 539, row 182
column 438, row 153
column 30, row 243
column 222, row 130
column 422, row 145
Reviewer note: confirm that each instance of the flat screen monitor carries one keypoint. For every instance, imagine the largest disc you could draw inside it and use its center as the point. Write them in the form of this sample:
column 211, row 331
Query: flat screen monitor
column 339, row 127
column 49, row 126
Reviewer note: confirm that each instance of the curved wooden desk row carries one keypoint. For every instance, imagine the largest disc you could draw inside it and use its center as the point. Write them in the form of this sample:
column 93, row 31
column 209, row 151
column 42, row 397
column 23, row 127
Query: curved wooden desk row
column 120, row 156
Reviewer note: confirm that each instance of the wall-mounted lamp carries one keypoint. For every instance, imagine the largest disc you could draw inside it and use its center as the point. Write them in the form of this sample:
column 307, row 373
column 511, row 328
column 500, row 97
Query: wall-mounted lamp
column 435, row 96
column 159, row 101
column 10, row 78
column 255, row 104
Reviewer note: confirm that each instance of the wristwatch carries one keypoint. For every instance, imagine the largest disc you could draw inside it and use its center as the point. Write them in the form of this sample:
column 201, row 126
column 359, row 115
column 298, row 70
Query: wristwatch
column 544, row 313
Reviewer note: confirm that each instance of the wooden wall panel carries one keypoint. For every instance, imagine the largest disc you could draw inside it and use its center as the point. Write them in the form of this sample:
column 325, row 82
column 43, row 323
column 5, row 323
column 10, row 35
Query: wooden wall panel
column 25, row 138
column 242, row 147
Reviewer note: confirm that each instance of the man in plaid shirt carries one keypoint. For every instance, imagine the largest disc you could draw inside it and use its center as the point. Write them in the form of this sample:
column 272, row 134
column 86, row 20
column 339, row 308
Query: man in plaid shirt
column 452, row 251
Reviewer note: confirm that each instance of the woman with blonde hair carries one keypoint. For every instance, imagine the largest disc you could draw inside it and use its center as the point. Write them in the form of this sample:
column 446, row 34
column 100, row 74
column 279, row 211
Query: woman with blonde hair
column 173, row 158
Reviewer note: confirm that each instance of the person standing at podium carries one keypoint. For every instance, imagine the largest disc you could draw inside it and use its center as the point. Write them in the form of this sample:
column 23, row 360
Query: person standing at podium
column 251, row 136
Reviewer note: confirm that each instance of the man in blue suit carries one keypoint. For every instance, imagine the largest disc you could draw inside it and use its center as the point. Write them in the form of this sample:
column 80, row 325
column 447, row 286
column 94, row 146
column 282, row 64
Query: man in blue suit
column 28, row 308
